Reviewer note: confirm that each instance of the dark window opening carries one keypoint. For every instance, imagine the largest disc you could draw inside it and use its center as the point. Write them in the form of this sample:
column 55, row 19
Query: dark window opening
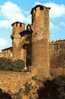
column 25, row 46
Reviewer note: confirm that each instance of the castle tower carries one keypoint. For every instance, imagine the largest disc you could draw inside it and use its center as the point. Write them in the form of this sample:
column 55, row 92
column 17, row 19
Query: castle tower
column 40, row 37
column 18, row 52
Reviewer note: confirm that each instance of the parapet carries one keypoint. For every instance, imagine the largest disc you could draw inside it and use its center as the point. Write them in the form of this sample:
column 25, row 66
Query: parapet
column 39, row 6
column 16, row 24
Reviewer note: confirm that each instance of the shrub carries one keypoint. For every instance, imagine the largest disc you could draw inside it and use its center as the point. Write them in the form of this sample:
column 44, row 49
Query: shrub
column 8, row 64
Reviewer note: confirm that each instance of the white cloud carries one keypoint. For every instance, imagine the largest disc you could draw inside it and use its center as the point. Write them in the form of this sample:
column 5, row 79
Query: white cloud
column 12, row 12
column 3, row 43
column 57, row 10
column 4, row 23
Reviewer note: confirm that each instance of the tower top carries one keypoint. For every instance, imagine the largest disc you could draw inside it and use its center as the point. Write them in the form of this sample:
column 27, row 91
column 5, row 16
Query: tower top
column 39, row 6
column 17, row 22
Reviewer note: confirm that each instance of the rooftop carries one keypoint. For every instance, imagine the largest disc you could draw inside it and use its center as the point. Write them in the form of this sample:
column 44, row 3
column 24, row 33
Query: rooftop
column 9, row 48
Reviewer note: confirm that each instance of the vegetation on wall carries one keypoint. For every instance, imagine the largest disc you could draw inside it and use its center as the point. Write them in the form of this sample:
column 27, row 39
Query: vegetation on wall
column 8, row 64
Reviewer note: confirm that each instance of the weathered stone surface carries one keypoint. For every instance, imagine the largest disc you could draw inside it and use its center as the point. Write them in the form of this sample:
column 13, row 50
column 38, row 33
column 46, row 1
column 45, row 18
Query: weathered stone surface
column 13, row 81
column 40, row 37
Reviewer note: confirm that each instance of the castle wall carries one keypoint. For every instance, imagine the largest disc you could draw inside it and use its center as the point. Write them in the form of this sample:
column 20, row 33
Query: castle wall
column 57, row 53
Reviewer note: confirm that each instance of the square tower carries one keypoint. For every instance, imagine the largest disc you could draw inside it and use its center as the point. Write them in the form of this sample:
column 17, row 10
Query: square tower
column 18, row 51
column 40, row 38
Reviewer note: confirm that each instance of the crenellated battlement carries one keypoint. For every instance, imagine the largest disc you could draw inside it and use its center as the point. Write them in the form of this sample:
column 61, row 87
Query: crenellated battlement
column 39, row 7
column 17, row 27
column 18, row 24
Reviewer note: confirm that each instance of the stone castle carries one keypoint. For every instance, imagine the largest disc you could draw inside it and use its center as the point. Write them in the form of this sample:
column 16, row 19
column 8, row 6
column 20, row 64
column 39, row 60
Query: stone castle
column 31, row 44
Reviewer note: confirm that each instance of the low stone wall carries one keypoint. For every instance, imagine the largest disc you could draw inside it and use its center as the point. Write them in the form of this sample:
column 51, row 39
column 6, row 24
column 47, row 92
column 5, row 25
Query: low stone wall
column 13, row 81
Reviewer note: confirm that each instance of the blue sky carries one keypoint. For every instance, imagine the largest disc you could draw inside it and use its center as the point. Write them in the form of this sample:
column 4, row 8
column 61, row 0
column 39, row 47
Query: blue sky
column 19, row 10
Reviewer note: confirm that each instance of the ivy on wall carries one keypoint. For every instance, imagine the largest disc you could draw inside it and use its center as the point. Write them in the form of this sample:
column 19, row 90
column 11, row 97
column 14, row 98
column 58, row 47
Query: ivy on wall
column 9, row 65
